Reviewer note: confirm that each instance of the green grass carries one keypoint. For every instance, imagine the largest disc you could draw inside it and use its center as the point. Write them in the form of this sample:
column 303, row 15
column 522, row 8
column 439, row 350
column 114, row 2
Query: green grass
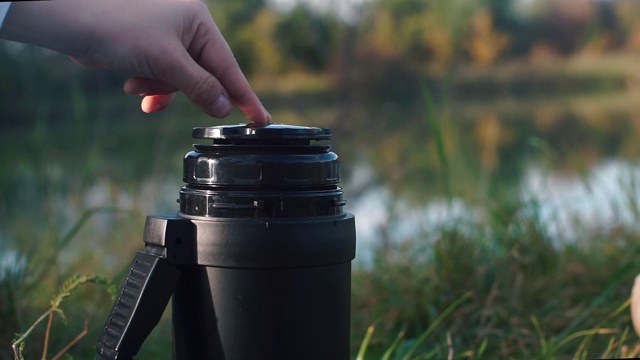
column 496, row 288
column 500, row 288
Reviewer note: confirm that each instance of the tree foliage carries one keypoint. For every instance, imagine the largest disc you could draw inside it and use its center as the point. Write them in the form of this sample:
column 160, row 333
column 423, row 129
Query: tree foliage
column 392, row 42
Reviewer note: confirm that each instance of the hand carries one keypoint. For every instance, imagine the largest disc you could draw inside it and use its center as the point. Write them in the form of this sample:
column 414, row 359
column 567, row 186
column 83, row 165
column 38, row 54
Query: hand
column 165, row 45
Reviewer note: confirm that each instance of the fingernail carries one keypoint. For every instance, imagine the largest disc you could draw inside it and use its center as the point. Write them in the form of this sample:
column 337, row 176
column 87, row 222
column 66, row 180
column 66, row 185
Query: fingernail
column 267, row 116
column 221, row 107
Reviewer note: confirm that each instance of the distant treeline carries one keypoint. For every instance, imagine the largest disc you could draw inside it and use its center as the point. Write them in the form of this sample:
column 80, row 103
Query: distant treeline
column 377, row 49
column 423, row 34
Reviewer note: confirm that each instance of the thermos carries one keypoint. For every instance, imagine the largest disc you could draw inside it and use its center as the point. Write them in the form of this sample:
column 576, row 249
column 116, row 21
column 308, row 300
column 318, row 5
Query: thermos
column 257, row 260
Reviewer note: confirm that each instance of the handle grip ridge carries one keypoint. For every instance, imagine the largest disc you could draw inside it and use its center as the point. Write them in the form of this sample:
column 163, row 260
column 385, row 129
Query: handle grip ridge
column 143, row 297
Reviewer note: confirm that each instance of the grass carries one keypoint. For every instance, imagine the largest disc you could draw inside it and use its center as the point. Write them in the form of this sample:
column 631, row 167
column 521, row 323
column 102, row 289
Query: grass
column 499, row 288
column 497, row 284
column 67, row 288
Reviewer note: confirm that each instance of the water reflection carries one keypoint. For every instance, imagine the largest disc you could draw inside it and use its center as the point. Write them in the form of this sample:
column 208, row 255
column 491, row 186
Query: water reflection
column 569, row 205
column 578, row 165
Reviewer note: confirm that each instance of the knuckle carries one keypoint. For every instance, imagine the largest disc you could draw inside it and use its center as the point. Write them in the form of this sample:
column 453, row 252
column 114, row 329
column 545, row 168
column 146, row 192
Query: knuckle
column 227, row 70
column 195, row 8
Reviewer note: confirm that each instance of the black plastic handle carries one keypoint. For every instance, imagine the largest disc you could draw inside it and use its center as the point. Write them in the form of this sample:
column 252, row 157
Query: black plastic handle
column 143, row 297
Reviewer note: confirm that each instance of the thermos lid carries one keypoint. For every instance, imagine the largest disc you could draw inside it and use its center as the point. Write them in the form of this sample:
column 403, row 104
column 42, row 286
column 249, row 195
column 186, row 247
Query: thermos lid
column 261, row 170
column 273, row 155
column 262, row 132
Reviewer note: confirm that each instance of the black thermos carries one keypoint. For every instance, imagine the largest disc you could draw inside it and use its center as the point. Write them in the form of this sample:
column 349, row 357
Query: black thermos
column 257, row 260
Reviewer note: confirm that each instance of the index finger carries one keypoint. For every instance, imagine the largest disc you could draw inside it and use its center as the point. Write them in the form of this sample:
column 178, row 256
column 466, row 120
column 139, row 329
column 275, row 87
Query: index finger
column 216, row 57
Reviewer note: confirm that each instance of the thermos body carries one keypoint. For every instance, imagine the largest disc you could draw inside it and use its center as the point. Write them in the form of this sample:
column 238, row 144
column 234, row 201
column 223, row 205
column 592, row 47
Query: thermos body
column 257, row 260
column 266, row 290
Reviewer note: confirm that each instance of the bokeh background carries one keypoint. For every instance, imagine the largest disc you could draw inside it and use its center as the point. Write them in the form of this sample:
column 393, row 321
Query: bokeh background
column 489, row 150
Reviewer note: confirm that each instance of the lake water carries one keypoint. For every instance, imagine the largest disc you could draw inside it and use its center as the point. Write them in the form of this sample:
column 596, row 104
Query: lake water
column 403, row 173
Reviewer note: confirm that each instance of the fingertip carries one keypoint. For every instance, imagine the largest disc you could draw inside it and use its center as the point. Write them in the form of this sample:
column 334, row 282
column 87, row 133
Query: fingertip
column 148, row 106
column 265, row 118
column 256, row 114
column 155, row 103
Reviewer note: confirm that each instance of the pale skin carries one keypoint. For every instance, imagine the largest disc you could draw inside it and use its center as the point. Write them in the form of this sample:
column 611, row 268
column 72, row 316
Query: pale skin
column 164, row 45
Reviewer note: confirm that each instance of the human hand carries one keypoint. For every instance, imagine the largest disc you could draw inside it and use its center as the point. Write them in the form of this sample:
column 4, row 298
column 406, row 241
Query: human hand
column 165, row 45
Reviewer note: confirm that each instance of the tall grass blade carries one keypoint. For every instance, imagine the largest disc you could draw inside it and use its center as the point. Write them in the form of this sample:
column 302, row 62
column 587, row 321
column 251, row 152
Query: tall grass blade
column 610, row 347
column 588, row 336
column 435, row 126
column 387, row 354
column 365, row 342
column 435, row 324
column 481, row 349
column 623, row 338
column 63, row 241
column 544, row 349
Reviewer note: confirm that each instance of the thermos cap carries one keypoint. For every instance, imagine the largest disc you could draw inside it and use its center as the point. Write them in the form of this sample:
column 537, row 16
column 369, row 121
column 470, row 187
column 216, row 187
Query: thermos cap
column 261, row 170
column 274, row 131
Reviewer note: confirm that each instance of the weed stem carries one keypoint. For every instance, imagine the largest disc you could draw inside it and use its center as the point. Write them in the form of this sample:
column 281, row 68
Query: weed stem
column 82, row 334
column 46, row 336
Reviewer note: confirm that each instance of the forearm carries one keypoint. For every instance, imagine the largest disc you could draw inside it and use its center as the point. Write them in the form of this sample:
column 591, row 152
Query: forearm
column 60, row 25
column 165, row 45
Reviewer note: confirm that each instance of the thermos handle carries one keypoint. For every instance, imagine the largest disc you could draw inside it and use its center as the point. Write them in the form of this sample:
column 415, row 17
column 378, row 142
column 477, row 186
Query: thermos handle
column 143, row 297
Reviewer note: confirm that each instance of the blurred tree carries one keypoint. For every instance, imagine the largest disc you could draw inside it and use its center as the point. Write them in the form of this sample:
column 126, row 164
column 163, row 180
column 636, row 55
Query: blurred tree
column 627, row 15
column 425, row 34
column 233, row 17
column 308, row 37
column 484, row 43
column 503, row 13
column 562, row 23
column 379, row 35
column 258, row 39
column 509, row 20
column 392, row 44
